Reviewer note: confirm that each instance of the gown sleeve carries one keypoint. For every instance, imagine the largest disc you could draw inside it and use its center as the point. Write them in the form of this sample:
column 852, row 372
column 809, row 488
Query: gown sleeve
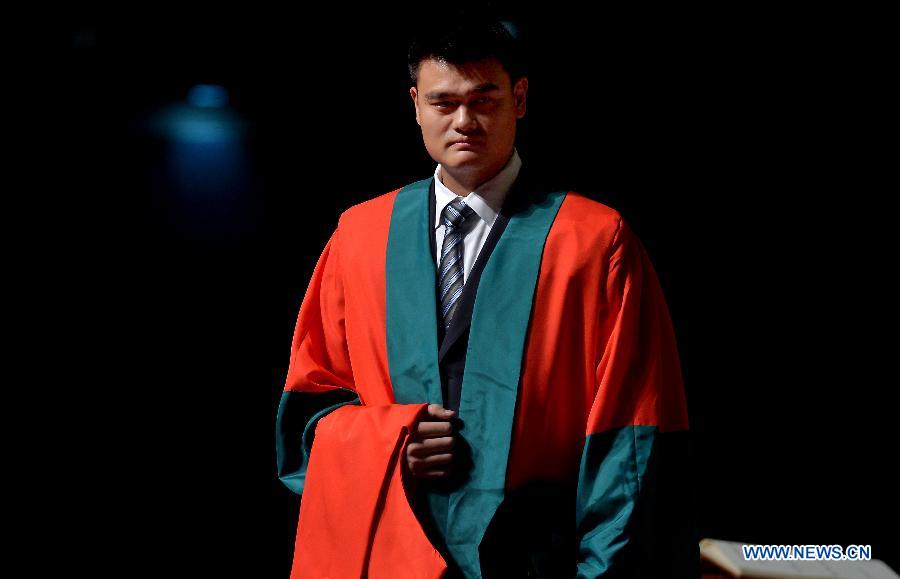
column 635, row 499
column 319, row 379
column 345, row 457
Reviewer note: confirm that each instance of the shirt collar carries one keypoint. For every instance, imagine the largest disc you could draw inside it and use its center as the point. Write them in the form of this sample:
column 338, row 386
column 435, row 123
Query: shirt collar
column 487, row 199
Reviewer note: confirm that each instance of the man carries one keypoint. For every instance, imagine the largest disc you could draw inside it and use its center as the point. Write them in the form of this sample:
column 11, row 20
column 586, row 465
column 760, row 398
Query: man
column 487, row 367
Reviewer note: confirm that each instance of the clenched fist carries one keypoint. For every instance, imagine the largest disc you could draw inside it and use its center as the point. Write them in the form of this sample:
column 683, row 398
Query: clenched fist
column 429, row 454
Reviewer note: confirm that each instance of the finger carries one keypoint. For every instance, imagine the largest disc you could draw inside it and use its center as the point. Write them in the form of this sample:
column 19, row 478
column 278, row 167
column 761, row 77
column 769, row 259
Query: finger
column 441, row 444
column 436, row 460
column 416, row 466
column 420, row 465
column 424, row 452
column 431, row 446
column 433, row 430
column 439, row 412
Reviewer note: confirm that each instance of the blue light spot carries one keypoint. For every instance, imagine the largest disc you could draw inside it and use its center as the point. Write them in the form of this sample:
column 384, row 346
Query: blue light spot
column 208, row 96
column 182, row 123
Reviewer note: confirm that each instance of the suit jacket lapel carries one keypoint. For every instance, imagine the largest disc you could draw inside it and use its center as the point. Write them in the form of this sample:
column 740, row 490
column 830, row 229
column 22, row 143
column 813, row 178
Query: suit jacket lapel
column 463, row 316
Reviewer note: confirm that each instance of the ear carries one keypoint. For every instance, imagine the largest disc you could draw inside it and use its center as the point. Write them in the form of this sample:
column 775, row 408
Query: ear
column 520, row 92
column 414, row 93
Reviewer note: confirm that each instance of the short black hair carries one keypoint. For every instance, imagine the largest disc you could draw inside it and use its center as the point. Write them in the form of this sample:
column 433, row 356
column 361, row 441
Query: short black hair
column 466, row 37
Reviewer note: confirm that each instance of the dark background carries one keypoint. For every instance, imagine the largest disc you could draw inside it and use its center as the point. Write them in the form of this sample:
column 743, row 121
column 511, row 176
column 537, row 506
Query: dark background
column 734, row 141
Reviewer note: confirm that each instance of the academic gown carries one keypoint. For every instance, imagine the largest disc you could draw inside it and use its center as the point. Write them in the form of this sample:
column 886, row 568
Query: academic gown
column 572, row 422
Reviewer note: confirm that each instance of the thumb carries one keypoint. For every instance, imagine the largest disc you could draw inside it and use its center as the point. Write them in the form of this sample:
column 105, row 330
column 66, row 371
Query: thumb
column 438, row 411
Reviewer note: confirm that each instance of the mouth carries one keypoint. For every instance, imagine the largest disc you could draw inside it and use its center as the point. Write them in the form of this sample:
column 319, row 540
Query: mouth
column 465, row 144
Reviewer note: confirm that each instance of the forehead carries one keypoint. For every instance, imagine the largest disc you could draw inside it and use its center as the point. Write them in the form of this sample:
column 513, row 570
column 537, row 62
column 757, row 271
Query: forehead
column 438, row 76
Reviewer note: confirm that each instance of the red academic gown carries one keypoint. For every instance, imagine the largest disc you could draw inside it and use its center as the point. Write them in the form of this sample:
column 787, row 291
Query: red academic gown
column 571, row 379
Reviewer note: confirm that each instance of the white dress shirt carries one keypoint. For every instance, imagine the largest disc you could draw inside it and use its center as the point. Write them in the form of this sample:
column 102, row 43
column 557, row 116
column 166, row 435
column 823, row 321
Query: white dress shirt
column 486, row 201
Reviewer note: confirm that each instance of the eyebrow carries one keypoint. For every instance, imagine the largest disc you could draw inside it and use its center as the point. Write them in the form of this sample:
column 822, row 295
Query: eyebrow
column 481, row 88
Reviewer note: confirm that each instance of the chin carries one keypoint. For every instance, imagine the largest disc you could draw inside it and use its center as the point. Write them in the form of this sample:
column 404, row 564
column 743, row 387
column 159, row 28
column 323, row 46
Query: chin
column 463, row 158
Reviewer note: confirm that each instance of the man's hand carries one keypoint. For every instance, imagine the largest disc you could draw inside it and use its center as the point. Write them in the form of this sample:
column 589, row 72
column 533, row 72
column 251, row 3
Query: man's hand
column 429, row 455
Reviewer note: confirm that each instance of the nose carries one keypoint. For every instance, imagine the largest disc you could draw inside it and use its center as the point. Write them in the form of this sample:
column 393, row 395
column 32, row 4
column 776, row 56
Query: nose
column 464, row 120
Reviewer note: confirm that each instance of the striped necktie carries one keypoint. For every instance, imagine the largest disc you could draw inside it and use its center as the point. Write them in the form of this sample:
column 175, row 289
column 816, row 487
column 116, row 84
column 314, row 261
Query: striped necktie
column 450, row 278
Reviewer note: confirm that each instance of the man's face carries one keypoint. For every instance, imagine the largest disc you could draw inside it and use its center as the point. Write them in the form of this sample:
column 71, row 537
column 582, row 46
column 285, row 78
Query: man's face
column 474, row 103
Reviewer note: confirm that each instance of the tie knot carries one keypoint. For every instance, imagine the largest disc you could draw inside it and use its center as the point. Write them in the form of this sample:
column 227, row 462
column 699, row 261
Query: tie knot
column 456, row 212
